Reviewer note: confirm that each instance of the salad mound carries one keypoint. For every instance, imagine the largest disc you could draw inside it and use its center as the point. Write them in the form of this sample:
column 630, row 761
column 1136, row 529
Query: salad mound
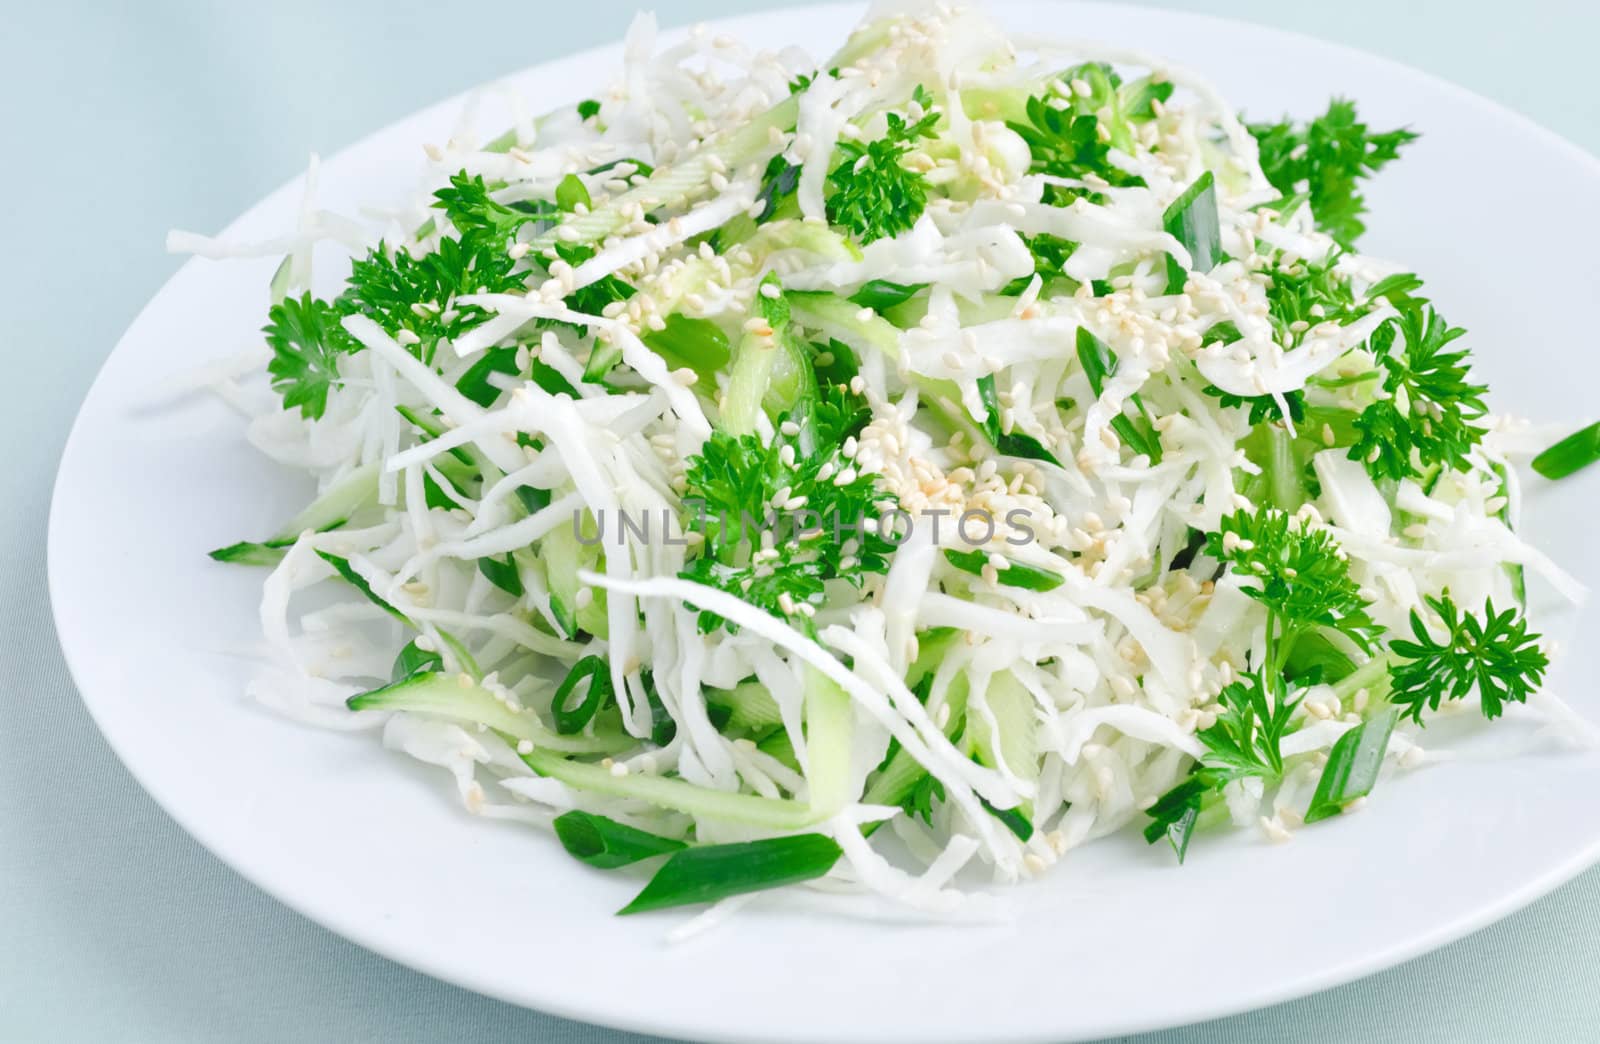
column 939, row 456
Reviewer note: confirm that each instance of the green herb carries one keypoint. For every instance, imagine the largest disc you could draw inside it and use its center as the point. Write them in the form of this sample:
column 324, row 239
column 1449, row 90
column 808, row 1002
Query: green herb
column 712, row 872
column 1352, row 768
column 607, row 844
column 306, row 341
column 1302, row 578
column 732, row 484
column 871, row 194
column 1245, row 742
column 1572, row 454
column 1424, row 418
column 413, row 661
column 1326, row 159
column 1494, row 655
column 1064, row 134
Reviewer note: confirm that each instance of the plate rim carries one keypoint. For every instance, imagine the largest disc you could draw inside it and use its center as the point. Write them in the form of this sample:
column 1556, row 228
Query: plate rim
column 553, row 1003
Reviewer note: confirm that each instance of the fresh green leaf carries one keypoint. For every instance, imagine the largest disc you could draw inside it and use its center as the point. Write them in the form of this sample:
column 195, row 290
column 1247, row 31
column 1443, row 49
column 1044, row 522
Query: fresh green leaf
column 1327, row 158
column 1495, row 655
column 306, row 341
column 870, row 193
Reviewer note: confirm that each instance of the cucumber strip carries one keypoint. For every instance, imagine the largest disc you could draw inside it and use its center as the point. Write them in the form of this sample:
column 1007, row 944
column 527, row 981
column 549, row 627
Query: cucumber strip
column 1016, row 574
column 830, row 727
column 673, row 794
column 750, row 706
column 457, row 698
column 329, row 511
column 674, row 186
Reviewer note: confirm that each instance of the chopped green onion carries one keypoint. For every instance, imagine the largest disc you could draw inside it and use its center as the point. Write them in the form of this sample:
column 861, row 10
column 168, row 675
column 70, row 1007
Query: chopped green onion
column 607, row 844
column 1099, row 363
column 1011, row 443
column 1017, row 574
column 502, row 573
column 1175, row 814
column 593, row 669
column 1572, row 454
column 1013, row 818
column 1192, row 220
column 707, row 874
column 1352, row 767
column 475, row 383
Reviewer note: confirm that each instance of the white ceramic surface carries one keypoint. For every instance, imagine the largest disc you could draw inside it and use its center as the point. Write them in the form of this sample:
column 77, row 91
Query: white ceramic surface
column 1117, row 940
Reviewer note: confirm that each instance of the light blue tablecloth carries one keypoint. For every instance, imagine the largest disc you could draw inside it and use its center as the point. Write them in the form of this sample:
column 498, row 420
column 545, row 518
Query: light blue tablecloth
column 124, row 120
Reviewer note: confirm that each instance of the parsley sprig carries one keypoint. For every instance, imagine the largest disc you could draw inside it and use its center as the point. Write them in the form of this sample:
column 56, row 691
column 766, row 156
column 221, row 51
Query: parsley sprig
column 734, row 485
column 1496, row 655
column 1324, row 161
column 1424, row 416
column 1301, row 577
column 871, row 193
column 306, row 341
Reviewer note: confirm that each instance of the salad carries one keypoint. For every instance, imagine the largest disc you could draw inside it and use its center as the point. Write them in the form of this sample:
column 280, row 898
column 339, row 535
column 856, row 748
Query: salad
column 933, row 458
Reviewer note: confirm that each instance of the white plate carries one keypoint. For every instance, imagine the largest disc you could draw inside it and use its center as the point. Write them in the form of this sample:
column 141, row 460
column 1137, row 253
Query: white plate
column 1118, row 940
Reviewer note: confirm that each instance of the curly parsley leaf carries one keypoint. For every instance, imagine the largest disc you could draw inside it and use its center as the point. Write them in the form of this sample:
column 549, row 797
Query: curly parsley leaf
column 780, row 559
column 870, row 192
column 1244, row 742
column 1301, row 573
column 1428, row 403
column 1325, row 160
column 1496, row 655
column 306, row 341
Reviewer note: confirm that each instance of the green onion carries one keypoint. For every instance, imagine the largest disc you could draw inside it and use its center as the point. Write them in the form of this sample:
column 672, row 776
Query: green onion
column 1099, row 363
column 713, row 872
column 532, row 498
column 1192, row 220
column 1572, row 454
column 1352, row 767
column 1013, row 818
column 550, row 379
column 592, row 669
column 1011, row 443
column 607, row 844
column 1017, row 574
column 880, row 294
column 502, row 573
column 475, row 384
